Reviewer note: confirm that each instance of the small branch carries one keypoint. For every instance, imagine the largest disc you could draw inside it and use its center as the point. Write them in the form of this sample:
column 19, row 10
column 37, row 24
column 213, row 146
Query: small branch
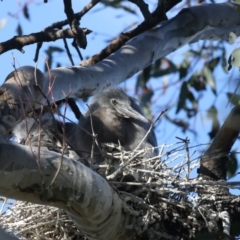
column 77, row 16
column 143, row 8
column 19, row 42
column 150, row 129
column 69, row 11
column 74, row 24
column 95, row 141
column 59, row 25
column 186, row 141
column 62, row 153
column 68, row 51
column 74, row 44
column 39, row 45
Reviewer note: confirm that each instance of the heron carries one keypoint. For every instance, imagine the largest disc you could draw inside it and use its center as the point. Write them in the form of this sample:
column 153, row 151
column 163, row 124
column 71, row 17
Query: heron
column 114, row 117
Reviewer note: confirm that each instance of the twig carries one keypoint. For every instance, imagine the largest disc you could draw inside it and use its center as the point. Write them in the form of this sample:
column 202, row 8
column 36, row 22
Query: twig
column 93, row 135
column 74, row 24
column 46, row 35
column 63, row 150
column 74, row 44
column 186, row 141
column 68, row 51
column 150, row 129
column 39, row 45
column 143, row 8
column 50, row 36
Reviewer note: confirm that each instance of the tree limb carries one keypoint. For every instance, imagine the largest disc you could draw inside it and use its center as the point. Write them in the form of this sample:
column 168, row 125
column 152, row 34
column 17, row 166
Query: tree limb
column 214, row 161
column 87, row 198
column 49, row 36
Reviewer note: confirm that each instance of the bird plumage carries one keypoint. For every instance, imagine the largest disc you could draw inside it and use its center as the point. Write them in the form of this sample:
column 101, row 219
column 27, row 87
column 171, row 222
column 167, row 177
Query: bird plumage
column 115, row 117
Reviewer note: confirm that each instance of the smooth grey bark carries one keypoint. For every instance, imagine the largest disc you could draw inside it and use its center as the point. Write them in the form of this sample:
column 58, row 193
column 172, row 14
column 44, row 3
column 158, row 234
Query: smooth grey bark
column 86, row 196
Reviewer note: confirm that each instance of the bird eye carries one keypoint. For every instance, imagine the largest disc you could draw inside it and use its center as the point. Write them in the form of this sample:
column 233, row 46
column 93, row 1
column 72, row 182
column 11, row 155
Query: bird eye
column 114, row 101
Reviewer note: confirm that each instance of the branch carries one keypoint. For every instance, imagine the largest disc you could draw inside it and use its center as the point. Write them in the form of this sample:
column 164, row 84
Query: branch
column 143, row 8
column 74, row 24
column 83, row 194
column 214, row 161
column 59, row 25
column 77, row 16
column 150, row 203
column 93, row 205
column 49, row 36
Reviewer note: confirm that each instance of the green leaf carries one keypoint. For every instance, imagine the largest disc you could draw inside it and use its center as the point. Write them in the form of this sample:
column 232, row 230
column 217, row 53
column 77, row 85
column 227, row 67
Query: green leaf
column 191, row 97
column 3, row 22
column 192, row 53
column 147, row 112
column 139, row 82
column 145, row 99
column 142, row 78
column 232, row 165
column 158, row 70
column 234, row 58
column 196, row 83
column 233, row 98
column 183, row 69
column 224, row 61
column 19, row 30
column 213, row 63
column 210, row 79
column 146, row 73
column 117, row 4
column 212, row 114
column 50, row 51
column 182, row 97
column 146, row 96
column 26, row 12
column 53, row 49
column 183, row 72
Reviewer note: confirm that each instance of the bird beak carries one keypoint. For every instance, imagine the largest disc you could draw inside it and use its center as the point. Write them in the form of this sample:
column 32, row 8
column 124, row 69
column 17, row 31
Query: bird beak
column 128, row 112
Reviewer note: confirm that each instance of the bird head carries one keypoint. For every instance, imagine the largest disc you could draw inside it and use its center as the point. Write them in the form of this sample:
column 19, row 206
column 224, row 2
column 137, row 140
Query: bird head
column 117, row 100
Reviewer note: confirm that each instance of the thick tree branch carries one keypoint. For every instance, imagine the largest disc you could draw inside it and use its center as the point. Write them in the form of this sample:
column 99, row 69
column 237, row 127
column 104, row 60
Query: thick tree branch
column 85, row 195
column 214, row 161
column 93, row 205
